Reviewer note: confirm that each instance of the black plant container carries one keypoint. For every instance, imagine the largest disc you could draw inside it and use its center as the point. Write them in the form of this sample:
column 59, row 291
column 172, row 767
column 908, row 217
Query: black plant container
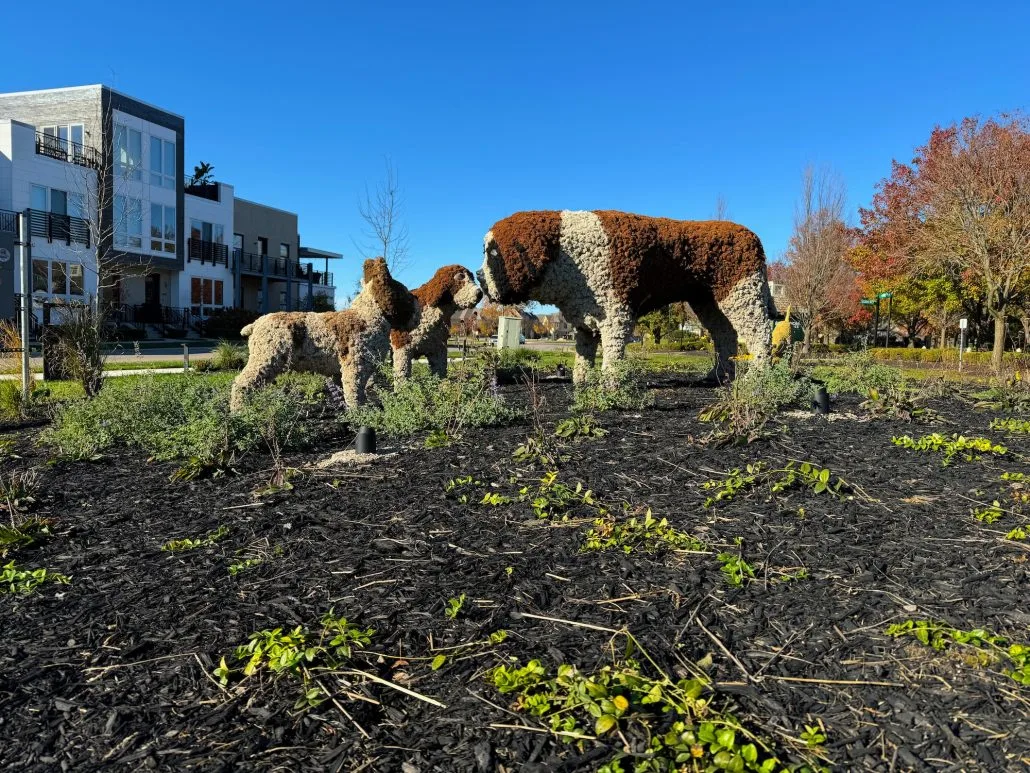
column 365, row 441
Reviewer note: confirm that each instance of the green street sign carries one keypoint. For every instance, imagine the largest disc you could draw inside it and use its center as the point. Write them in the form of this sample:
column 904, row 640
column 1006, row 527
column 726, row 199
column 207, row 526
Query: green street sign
column 885, row 295
column 867, row 302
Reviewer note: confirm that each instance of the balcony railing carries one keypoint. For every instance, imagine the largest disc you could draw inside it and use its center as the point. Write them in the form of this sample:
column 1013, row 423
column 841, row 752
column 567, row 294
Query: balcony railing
column 252, row 263
column 207, row 252
column 8, row 221
column 322, row 278
column 61, row 228
column 65, row 150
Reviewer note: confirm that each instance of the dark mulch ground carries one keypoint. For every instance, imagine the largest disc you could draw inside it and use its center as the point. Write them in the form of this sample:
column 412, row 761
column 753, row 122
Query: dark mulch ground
column 112, row 671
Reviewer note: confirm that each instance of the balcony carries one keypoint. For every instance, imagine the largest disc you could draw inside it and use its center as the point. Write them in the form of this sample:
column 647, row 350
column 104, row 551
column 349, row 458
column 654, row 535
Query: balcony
column 66, row 150
column 207, row 252
column 60, row 228
column 252, row 263
column 207, row 191
column 322, row 278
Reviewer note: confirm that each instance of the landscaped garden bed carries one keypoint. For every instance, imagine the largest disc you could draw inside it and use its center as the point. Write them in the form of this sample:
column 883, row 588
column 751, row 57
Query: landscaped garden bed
column 633, row 594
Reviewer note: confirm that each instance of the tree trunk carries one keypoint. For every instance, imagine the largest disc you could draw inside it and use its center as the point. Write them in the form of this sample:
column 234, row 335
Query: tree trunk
column 999, row 342
column 1026, row 332
column 657, row 335
column 806, row 346
column 944, row 334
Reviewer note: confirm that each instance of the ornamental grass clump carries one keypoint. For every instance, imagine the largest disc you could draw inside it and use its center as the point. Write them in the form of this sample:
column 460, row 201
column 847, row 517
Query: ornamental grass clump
column 748, row 404
column 858, row 373
column 621, row 387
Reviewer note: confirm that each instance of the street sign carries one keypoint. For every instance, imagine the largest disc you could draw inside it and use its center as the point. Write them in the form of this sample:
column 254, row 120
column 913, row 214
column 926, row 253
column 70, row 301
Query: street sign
column 885, row 295
column 963, row 323
column 867, row 302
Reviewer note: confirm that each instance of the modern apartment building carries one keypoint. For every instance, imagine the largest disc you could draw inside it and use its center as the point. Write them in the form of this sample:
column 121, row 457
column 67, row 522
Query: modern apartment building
column 101, row 176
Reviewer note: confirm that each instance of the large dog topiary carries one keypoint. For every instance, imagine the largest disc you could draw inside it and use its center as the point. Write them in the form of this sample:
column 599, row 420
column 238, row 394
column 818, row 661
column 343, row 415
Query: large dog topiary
column 605, row 269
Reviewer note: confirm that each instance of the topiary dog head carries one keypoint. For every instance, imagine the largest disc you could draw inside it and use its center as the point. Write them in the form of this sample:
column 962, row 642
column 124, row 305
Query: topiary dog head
column 452, row 287
column 393, row 299
column 515, row 253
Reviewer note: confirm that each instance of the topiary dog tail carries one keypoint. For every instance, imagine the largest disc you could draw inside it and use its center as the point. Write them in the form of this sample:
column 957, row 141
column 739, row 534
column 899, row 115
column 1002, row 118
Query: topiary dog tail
column 247, row 330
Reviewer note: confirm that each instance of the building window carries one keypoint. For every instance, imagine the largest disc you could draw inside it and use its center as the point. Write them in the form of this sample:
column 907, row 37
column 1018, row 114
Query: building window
column 206, row 295
column 237, row 242
column 66, row 138
column 128, row 152
column 284, row 250
column 40, row 276
column 128, row 222
column 262, row 245
column 162, row 163
column 38, row 200
column 76, row 282
column 218, row 233
column 58, row 278
column 162, row 229
column 54, row 200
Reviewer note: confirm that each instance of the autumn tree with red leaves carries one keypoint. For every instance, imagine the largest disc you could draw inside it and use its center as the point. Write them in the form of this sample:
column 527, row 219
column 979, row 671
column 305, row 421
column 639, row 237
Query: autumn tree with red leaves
column 962, row 209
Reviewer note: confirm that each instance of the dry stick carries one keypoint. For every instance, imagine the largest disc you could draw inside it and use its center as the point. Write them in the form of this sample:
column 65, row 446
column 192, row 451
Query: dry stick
column 386, row 683
column 137, row 662
column 341, row 708
column 833, row 681
column 211, row 678
column 569, row 622
column 532, row 729
column 729, row 654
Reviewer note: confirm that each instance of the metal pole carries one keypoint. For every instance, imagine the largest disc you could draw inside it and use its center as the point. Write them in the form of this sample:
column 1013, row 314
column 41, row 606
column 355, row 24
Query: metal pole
column 25, row 256
column 961, row 346
column 890, row 311
column 185, row 358
column 876, row 325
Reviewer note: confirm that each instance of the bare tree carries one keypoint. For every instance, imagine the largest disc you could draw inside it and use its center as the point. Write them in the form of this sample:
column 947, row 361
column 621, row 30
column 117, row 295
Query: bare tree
column 113, row 226
column 722, row 211
column 385, row 234
column 817, row 275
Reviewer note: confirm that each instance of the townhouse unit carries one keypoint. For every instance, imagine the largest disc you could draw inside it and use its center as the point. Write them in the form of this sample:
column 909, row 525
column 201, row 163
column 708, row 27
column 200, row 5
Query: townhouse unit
column 112, row 215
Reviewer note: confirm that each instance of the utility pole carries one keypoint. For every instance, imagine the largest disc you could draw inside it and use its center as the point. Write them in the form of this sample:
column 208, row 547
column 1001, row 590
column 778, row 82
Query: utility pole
column 24, row 245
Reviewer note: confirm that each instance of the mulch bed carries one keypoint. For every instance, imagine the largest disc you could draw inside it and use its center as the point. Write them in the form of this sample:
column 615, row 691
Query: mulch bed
column 113, row 671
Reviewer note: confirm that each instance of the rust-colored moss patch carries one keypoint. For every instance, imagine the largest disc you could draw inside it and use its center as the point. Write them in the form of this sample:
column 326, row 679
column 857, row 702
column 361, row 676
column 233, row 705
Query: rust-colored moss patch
column 527, row 241
column 345, row 326
column 400, row 338
column 393, row 298
column 656, row 260
column 440, row 290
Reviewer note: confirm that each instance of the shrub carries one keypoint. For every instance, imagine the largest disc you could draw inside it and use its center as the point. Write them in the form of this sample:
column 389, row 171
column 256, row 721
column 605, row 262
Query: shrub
column 77, row 347
column 227, row 323
column 858, row 373
column 509, row 364
column 228, row 356
column 466, row 398
column 183, row 417
column 11, row 400
column 622, row 387
column 753, row 398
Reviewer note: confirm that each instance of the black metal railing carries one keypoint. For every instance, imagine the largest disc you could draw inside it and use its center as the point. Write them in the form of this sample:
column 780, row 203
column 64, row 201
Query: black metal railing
column 203, row 190
column 65, row 150
column 322, row 278
column 253, row 263
column 140, row 315
column 207, row 252
column 54, row 227
column 8, row 221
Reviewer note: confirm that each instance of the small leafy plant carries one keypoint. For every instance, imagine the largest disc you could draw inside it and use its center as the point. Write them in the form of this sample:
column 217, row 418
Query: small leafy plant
column 631, row 705
column 989, row 514
column 1015, row 426
column 180, row 545
column 15, row 580
column 820, row 480
column 645, row 533
column 26, row 533
column 576, row 427
column 454, row 607
column 986, row 647
column 459, row 488
column 299, row 652
column 735, row 569
column 969, row 448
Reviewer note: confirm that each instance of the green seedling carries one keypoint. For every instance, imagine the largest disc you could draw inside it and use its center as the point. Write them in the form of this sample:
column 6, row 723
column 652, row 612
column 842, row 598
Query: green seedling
column 969, row 448
column 579, row 427
column 15, row 580
column 645, row 533
column 453, row 608
column 180, row 545
column 985, row 647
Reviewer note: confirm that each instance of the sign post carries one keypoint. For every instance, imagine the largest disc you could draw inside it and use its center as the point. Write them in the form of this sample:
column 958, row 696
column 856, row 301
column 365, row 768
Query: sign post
column 890, row 311
column 869, row 302
column 962, row 325
column 24, row 245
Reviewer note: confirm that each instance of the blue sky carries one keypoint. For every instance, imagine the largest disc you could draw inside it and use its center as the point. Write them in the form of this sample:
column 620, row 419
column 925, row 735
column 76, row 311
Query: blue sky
column 490, row 108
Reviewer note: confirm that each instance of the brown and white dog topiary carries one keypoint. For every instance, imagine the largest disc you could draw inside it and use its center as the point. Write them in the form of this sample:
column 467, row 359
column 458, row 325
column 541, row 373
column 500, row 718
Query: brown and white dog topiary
column 450, row 289
column 606, row 269
column 348, row 346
